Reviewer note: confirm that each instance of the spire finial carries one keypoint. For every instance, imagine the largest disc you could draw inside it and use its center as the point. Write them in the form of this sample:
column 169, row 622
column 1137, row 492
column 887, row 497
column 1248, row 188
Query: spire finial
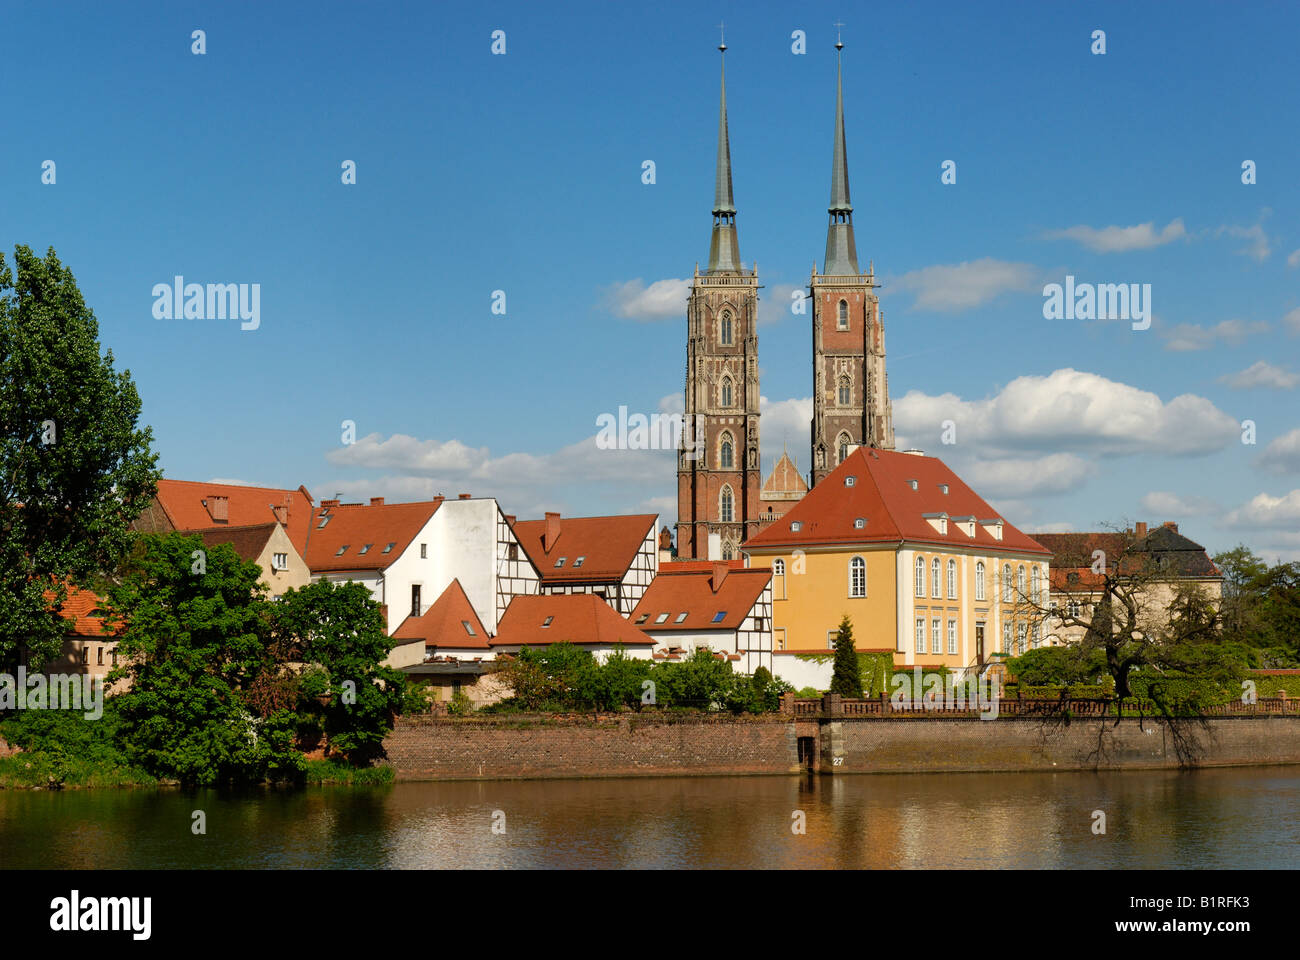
column 722, row 36
column 839, row 43
column 841, row 249
column 724, row 249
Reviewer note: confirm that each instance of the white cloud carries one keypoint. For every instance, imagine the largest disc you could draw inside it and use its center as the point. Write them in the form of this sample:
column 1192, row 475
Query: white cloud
column 1054, row 527
column 1282, row 455
column 1258, row 248
column 1114, row 239
column 1069, row 411
column 1292, row 321
column 1166, row 504
column 1264, row 511
column 1262, row 374
column 660, row 300
column 953, row 287
column 1017, row 478
column 774, row 305
column 1293, row 260
column 1184, row 337
column 785, row 424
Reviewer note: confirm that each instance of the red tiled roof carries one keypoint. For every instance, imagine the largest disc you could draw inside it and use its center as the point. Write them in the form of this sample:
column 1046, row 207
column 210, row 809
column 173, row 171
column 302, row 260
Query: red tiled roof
column 77, row 611
column 882, row 495
column 249, row 542
column 784, row 480
column 690, row 588
column 580, row 618
column 608, row 545
column 182, row 501
column 353, row 525
column 443, row 624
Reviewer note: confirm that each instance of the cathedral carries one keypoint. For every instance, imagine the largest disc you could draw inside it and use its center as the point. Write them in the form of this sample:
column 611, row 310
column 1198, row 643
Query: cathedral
column 721, row 502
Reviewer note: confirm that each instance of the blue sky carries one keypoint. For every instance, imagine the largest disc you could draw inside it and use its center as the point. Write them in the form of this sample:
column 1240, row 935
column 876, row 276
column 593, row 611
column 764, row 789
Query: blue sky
column 479, row 172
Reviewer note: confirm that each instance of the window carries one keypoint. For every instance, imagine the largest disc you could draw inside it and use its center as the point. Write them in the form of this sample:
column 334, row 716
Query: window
column 726, row 503
column 758, row 624
column 842, row 447
column 857, row 577
column 920, row 635
column 280, row 561
column 979, row 580
column 1020, row 582
column 468, row 629
column 1038, row 634
column 1006, row 637
column 936, row 642
column 424, row 551
column 547, row 621
column 1006, row 583
column 99, row 656
column 1073, row 608
column 661, row 618
column 512, row 551
column 680, row 617
column 85, row 655
column 952, row 637
column 341, row 550
column 842, row 321
column 1037, row 590
column 560, row 562
column 859, row 523
column 726, row 454
column 920, row 576
column 1020, row 638
column 830, row 639
column 728, row 551
column 796, row 525
column 389, row 547
column 952, row 579
column 578, row 562
column 850, row 481
column 845, row 393
column 936, row 585
column 726, row 327
column 778, row 567
column 726, row 391
column 415, row 599
column 643, row 618
column 323, row 520
column 365, row 549
column 719, row 616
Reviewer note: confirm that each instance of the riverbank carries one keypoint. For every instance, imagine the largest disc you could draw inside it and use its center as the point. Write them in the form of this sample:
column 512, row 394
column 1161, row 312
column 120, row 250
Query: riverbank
column 549, row 747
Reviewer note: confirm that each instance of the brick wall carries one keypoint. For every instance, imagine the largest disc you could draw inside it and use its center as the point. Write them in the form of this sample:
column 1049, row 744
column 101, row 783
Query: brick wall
column 435, row 748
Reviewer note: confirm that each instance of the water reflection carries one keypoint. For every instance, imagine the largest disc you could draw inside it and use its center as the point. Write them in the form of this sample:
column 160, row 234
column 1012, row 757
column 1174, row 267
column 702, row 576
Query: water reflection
column 1215, row 818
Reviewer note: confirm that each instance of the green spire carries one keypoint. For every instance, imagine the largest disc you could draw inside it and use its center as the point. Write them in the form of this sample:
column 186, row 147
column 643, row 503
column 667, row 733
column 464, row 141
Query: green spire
column 724, row 248
column 841, row 249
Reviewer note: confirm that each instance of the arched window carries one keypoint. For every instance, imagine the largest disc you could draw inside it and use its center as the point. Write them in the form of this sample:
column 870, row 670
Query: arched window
column 920, row 576
column 1006, row 583
column 842, row 322
column 726, row 504
column 726, row 454
column 1020, row 582
column 842, row 445
column 1036, row 592
column 726, row 327
column 1006, row 637
column 778, row 567
column 726, row 391
column 845, row 392
column 936, row 579
column 857, row 577
column 727, row 551
column 952, row 579
column 979, row 580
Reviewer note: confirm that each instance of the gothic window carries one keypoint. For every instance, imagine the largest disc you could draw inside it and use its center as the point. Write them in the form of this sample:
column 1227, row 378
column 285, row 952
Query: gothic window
column 842, row 322
column 979, row 580
column 727, row 551
column 726, row 504
column 844, row 392
column 842, row 446
column 726, row 328
column 726, row 391
column 857, row 577
column 726, row 456
column 935, row 584
column 920, row 576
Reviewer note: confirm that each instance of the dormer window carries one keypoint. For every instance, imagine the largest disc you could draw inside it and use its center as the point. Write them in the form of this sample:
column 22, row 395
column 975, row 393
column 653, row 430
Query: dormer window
column 943, row 488
column 850, row 481
column 860, row 523
column 912, row 484
column 796, row 526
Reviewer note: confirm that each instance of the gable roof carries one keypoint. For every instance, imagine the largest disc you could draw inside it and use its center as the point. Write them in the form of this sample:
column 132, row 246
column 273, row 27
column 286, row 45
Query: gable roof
column 784, row 482
column 78, row 609
column 249, row 542
column 692, row 588
column 881, row 493
column 579, row 618
column 349, row 527
column 607, row 545
column 443, row 624
column 183, row 503
column 1172, row 553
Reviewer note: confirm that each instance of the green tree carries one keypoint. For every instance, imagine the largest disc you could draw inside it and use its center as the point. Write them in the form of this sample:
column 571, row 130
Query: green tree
column 846, row 678
column 346, row 694
column 75, row 468
column 194, row 644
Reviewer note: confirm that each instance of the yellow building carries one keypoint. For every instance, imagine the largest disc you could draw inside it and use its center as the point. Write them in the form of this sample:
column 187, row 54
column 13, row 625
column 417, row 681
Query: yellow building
column 917, row 560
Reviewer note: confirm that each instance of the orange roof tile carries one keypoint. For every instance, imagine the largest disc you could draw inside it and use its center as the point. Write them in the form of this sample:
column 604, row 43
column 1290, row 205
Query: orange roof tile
column 78, row 611
column 443, row 624
column 882, row 494
column 183, row 503
column 249, row 542
column 690, row 588
column 354, row 525
column 580, row 618
column 607, row 545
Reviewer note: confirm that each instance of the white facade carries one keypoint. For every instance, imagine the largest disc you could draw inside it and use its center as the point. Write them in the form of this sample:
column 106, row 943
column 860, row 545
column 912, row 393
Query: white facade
column 624, row 594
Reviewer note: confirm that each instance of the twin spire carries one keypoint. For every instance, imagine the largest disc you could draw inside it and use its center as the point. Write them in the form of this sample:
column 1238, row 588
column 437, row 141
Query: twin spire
column 841, row 249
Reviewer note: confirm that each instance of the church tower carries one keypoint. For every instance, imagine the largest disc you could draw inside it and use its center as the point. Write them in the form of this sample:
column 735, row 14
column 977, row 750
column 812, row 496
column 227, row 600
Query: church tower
column 850, row 391
column 718, row 465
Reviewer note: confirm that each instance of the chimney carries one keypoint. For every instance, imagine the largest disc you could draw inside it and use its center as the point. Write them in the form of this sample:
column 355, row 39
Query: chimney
column 462, row 496
column 376, row 501
column 510, row 519
column 1171, row 525
column 720, row 568
column 552, row 532
column 1141, row 529
column 665, row 539
column 218, row 508
column 329, row 503
column 281, row 515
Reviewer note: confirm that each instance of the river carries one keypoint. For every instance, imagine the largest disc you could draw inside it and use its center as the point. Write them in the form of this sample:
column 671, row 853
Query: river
column 1221, row 818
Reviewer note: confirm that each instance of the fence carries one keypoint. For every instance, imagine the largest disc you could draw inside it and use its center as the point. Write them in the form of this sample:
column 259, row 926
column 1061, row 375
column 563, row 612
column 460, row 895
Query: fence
column 833, row 705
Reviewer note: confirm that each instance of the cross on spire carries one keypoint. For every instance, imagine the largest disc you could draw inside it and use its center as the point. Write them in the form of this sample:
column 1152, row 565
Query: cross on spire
column 839, row 43
column 722, row 33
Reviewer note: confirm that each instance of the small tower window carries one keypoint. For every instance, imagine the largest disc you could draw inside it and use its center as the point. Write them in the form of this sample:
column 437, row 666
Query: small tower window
column 845, row 392
column 842, row 447
column 726, row 455
column 726, row 391
column 842, row 321
column 726, row 504
column 726, row 328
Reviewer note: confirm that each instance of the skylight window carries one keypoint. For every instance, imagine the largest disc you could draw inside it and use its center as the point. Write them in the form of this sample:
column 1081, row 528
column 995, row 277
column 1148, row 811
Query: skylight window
column 661, row 618
column 578, row 562
column 643, row 618
column 796, row 525
column 342, row 549
column 468, row 628
column 943, row 488
column 859, row 523
column 547, row 621
column 389, row 548
column 559, row 563
column 365, row 549
column 323, row 520
column 850, row 481
column 912, row 484
column 720, row 616
column 680, row 617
